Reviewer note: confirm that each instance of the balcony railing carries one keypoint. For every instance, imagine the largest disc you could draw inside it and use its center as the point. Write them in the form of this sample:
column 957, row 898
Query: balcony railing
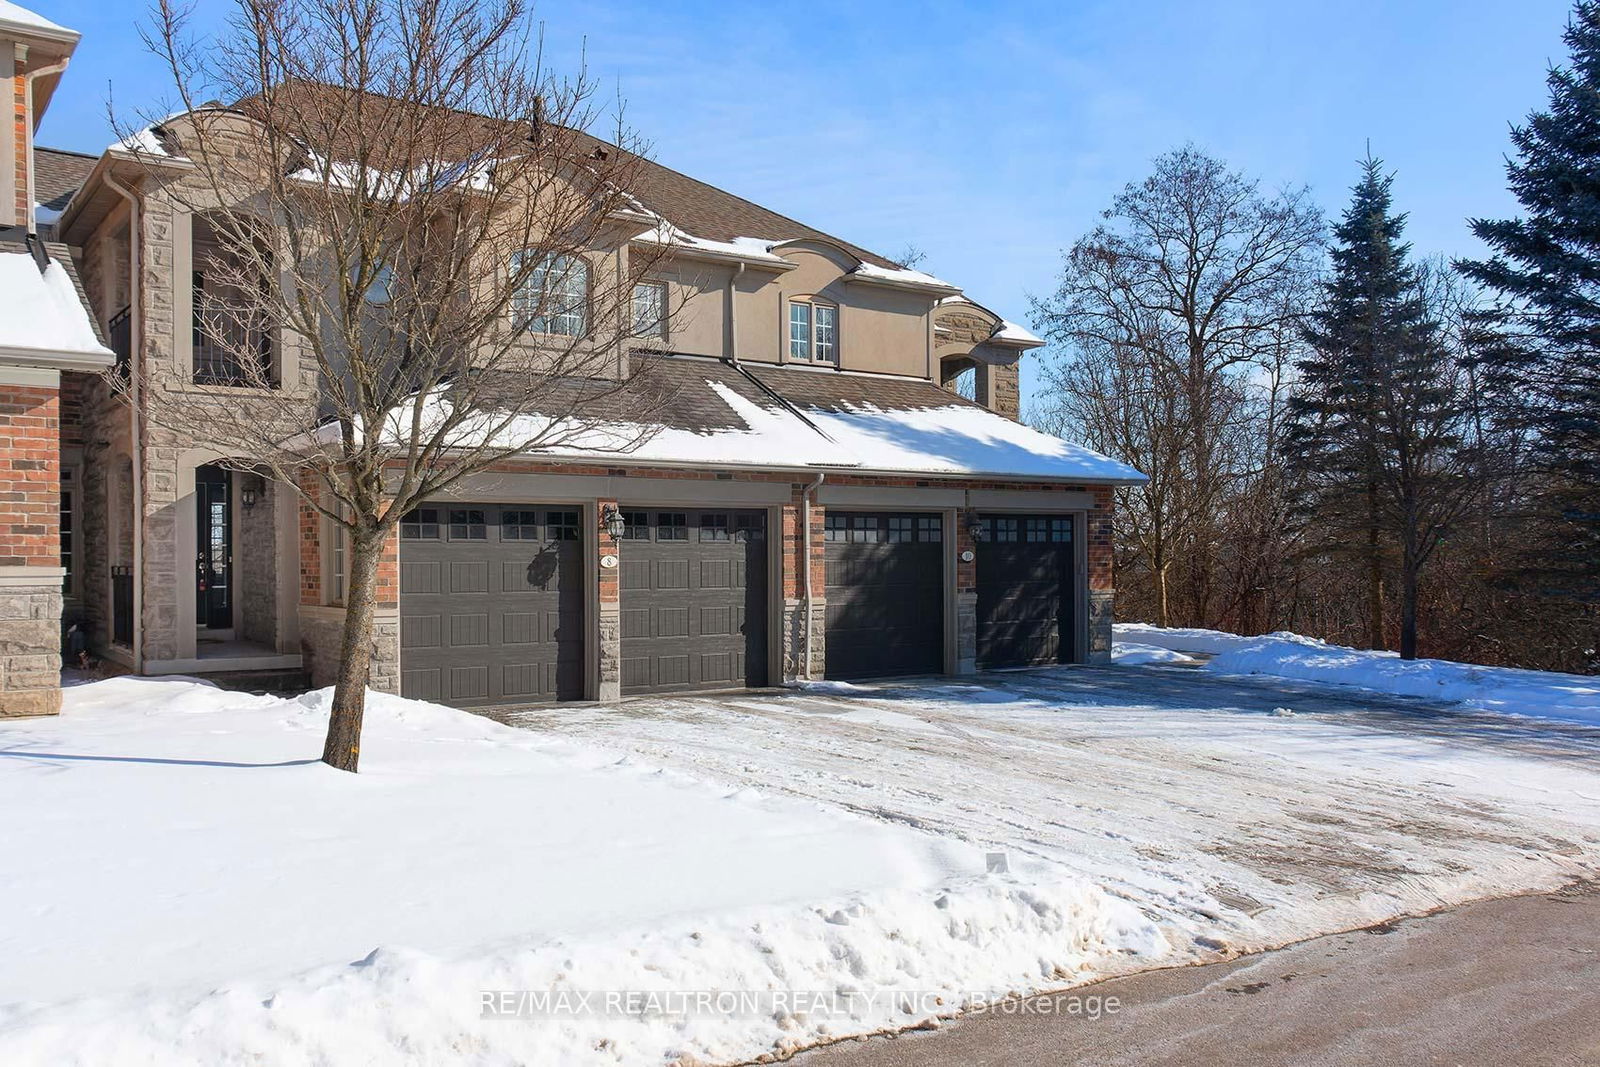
column 227, row 352
column 119, row 332
column 122, row 606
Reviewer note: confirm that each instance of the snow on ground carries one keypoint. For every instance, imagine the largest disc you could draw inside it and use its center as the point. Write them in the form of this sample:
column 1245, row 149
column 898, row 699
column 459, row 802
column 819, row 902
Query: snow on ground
column 1180, row 638
column 1542, row 694
column 1238, row 814
column 1135, row 654
column 183, row 883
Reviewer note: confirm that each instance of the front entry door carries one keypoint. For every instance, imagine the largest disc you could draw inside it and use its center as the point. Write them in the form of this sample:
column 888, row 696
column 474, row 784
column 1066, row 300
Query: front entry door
column 213, row 499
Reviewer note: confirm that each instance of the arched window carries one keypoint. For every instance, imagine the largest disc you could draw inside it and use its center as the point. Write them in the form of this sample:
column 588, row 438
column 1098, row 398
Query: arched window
column 554, row 297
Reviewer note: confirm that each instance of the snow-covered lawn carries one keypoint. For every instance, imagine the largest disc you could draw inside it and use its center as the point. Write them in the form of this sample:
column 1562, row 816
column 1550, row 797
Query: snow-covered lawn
column 1541, row 694
column 183, row 883
column 182, row 886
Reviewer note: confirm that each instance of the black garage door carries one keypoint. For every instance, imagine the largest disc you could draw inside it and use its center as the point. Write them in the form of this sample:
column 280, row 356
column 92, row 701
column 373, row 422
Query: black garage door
column 885, row 592
column 694, row 600
column 1026, row 592
column 491, row 604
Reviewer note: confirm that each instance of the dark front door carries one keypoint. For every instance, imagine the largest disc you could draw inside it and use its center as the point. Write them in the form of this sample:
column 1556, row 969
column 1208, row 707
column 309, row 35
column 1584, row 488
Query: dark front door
column 885, row 587
column 1027, row 599
column 694, row 600
column 213, row 493
column 491, row 604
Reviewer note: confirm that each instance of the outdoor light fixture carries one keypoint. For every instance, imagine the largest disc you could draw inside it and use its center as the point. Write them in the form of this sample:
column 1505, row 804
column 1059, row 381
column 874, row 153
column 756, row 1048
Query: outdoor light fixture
column 613, row 523
column 248, row 496
column 975, row 529
column 250, row 491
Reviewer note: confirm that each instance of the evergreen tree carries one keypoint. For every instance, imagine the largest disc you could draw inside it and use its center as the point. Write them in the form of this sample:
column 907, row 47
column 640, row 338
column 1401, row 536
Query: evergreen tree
column 1546, row 269
column 1374, row 427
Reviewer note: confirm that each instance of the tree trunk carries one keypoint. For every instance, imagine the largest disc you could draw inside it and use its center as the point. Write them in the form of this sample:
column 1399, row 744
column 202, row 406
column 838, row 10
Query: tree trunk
column 1374, row 572
column 1408, row 609
column 342, row 749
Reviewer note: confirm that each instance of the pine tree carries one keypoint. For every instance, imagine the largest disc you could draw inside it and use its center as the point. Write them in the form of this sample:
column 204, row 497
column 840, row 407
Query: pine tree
column 1374, row 425
column 1546, row 269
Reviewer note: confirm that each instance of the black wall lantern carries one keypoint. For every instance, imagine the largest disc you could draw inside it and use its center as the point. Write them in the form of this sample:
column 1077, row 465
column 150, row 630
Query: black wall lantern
column 612, row 522
column 976, row 530
column 250, row 491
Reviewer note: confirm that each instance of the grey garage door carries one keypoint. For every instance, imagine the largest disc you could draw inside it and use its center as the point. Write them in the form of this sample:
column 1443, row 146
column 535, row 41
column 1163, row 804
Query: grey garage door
column 491, row 604
column 885, row 587
column 1027, row 601
column 694, row 600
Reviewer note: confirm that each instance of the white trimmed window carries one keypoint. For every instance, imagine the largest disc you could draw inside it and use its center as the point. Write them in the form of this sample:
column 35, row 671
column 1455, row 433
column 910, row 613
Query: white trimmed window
column 554, row 298
column 650, row 309
column 813, row 332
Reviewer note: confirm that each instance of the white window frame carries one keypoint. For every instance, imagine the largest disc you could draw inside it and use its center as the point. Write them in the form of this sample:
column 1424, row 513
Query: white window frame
column 812, row 345
column 658, row 328
column 561, row 312
column 338, row 561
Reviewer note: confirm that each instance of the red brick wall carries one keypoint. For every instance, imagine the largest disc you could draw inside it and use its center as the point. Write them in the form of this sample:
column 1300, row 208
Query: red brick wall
column 72, row 397
column 19, row 164
column 310, row 544
column 30, row 476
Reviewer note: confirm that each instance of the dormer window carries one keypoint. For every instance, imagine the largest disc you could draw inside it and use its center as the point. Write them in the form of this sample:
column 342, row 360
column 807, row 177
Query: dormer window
column 813, row 331
column 554, row 297
column 650, row 309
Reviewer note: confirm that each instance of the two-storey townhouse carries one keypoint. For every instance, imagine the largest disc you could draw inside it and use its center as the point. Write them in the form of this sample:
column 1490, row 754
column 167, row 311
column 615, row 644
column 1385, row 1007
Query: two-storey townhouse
column 45, row 336
column 818, row 501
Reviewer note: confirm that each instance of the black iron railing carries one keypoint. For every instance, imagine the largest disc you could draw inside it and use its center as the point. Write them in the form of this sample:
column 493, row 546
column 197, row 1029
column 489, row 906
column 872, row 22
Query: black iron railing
column 122, row 605
column 227, row 352
column 119, row 331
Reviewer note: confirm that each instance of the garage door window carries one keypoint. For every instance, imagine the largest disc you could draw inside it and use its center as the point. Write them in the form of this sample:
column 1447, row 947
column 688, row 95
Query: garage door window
column 638, row 526
column 714, row 528
column 930, row 529
column 900, row 529
column 561, row 526
column 864, row 529
column 420, row 524
column 749, row 528
column 672, row 526
column 1003, row 529
column 466, row 524
column 836, row 528
column 519, row 526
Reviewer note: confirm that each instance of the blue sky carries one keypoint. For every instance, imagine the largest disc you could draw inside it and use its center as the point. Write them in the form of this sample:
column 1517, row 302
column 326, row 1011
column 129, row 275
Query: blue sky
column 991, row 135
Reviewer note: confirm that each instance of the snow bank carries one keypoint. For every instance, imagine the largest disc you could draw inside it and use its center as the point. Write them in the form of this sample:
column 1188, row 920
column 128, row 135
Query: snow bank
column 1544, row 694
column 1134, row 654
column 1180, row 638
column 186, row 884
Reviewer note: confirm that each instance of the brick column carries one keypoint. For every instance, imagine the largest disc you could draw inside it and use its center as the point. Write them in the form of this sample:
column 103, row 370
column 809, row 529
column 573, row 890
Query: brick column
column 322, row 625
column 966, row 594
column 608, row 578
column 30, row 543
column 802, row 550
column 17, row 165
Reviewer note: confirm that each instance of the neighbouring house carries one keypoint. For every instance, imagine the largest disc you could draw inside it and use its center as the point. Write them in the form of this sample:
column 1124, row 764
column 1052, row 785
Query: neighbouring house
column 820, row 502
column 49, row 344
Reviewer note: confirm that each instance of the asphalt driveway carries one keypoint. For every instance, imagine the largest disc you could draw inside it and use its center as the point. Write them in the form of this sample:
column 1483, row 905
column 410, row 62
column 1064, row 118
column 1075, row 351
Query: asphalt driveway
column 1242, row 813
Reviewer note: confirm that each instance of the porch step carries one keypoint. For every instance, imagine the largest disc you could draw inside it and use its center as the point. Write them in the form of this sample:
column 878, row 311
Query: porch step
column 283, row 682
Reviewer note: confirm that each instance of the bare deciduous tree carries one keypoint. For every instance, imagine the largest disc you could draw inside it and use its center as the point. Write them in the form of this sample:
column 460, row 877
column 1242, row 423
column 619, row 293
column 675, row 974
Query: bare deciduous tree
column 401, row 203
column 1169, row 317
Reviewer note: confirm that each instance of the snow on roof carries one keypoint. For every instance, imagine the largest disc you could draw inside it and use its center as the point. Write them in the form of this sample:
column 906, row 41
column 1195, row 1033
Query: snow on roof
column 749, row 248
column 20, row 16
column 1010, row 331
column 955, row 439
column 42, row 312
column 902, row 276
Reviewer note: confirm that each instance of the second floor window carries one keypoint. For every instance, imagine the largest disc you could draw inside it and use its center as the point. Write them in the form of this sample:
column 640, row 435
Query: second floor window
column 554, row 298
column 650, row 309
column 813, row 332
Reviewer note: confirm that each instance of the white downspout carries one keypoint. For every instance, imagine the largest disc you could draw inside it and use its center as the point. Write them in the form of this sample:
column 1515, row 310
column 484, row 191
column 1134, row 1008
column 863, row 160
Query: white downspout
column 27, row 133
column 135, row 373
column 805, row 541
